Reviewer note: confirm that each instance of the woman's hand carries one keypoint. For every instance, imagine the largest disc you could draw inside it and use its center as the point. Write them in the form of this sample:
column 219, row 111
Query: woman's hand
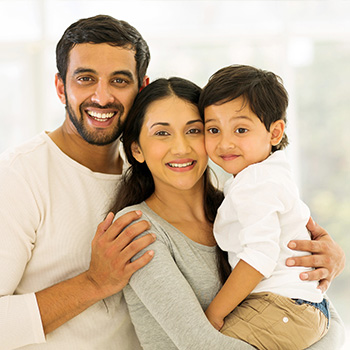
column 328, row 258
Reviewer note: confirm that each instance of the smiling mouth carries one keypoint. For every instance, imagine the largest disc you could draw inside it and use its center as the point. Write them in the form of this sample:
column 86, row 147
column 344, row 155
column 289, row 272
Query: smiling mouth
column 180, row 165
column 101, row 117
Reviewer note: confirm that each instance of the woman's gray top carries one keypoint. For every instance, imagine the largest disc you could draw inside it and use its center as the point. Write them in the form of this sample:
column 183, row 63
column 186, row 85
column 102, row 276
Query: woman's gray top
column 166, row 298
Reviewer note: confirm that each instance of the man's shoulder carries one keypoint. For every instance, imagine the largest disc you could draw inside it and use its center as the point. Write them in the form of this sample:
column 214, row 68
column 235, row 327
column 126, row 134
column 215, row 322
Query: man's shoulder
column 24, row 151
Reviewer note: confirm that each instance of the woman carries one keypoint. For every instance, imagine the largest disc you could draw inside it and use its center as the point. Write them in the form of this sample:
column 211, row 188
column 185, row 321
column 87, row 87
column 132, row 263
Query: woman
column 169, row 177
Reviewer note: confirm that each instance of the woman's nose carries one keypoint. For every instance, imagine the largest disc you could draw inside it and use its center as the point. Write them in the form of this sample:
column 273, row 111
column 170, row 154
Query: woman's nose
column 180, row 145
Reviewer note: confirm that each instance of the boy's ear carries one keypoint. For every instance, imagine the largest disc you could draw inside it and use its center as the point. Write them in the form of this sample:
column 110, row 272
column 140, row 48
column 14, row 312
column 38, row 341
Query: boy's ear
column 276, row 131
column 137, row 153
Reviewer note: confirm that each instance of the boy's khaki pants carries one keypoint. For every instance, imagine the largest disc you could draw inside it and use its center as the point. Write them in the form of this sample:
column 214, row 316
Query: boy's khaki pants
column 270, row 321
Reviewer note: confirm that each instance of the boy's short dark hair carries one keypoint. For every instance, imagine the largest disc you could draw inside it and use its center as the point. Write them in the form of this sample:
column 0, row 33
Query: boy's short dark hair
column 263, row 90
column 102, row 29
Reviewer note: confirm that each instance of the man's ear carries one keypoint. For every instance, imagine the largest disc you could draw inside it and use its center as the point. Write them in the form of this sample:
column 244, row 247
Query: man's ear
column 276, row 131
column 137, row 152
column 60, row 88
column 145, row 82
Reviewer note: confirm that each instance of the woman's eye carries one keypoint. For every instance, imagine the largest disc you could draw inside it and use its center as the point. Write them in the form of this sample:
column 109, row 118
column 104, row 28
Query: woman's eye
column 213, row 130
column 162, row 133
column 241, row 130
column 194, row 131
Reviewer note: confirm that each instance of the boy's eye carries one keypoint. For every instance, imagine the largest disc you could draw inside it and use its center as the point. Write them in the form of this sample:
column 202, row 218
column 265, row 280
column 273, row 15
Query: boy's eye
column 241, row 130
column 213, row 130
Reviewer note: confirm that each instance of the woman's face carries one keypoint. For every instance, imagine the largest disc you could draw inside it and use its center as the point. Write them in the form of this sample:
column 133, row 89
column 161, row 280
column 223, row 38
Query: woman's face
column 171, row 143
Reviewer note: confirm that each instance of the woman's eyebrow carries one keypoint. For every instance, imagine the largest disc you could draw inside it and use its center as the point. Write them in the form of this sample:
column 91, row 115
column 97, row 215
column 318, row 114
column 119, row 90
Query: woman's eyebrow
column 159, row 123
column 195, row 121
column 168, row 124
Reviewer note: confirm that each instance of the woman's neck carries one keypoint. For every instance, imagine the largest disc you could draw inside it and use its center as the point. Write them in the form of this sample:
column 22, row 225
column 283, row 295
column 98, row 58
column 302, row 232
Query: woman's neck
column 185, row 211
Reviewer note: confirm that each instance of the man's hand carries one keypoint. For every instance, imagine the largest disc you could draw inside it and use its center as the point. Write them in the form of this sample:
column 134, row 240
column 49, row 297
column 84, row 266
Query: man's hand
column 327, row 257
column 113, row 248
column 109, row 271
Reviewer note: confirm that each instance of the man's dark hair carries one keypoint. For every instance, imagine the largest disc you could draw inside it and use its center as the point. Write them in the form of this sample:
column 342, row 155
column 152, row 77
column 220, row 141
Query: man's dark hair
column 102, row 29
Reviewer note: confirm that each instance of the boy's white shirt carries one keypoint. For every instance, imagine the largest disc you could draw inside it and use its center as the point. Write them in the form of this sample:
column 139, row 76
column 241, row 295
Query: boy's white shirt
column 260, row 214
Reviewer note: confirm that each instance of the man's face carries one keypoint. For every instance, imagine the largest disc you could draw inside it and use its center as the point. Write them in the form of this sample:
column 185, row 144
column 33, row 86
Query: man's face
column 101, row 85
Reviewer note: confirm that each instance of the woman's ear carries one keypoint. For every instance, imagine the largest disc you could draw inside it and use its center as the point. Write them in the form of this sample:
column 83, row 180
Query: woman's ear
column 136, row 152
column 277, row 131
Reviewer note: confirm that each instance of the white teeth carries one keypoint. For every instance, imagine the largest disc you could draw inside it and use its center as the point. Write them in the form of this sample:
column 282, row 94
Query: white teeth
column 182, row 165
column 101, row 117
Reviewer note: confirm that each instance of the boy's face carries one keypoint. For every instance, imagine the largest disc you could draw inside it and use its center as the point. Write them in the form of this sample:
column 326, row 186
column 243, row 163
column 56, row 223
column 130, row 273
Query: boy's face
column 234, row 136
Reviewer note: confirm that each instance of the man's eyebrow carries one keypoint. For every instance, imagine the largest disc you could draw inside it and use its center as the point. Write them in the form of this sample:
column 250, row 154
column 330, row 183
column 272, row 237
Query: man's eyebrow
column 84, row 70
column 126, row 73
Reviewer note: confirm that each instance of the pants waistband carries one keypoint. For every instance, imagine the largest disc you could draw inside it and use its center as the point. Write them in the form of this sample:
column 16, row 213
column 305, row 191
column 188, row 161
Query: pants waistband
column 323, row 306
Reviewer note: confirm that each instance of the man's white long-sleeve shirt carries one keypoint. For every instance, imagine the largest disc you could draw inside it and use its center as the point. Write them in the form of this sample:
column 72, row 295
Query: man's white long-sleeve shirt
column 50, row 207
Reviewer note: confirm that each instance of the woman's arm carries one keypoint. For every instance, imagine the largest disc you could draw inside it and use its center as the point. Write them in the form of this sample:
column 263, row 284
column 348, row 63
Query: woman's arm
column 328, row 258
column 168, row 298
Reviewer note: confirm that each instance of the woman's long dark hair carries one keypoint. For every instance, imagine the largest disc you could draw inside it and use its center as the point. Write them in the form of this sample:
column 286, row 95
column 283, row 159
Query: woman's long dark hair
column 137, row 183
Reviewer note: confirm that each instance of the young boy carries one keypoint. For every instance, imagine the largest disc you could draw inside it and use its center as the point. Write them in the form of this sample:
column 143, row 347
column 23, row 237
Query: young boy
column 263, row 302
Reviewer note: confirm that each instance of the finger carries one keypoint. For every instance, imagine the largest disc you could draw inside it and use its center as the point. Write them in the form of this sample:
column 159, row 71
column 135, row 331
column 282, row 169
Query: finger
column 315, row 230
column 324, row 285
column 104, row 225
column 311, row 224
column 314, row 275
column 140, row 262
column 137, row 246
column 131, row 233
column 316, row 261
column 122, row 222
column 305, row 246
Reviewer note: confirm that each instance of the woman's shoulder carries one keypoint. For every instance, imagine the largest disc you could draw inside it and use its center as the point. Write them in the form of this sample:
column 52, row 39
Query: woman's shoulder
column 158, row 225
column 130, row 208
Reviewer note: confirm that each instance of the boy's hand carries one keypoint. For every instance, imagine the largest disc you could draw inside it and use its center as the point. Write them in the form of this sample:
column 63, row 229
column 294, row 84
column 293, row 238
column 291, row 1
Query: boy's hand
column 215, row 320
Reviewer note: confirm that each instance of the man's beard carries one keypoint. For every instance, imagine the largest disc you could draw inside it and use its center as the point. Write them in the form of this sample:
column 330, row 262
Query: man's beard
column 97, row 137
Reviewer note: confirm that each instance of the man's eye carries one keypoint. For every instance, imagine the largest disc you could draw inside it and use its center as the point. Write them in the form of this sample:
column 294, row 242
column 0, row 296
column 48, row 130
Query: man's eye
column 241, row 130
column 85, row 79
column 213, row 130
column 120, row 81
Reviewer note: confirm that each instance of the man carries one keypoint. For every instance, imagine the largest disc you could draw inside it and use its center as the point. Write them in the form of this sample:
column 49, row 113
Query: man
column 58, row 187
column 59, row 290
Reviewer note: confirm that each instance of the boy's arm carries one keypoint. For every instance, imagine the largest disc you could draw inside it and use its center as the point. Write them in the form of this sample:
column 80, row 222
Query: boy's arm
column 242, row 280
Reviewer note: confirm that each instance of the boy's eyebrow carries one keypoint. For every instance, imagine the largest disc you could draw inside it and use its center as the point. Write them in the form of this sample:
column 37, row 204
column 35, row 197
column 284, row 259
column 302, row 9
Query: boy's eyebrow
column 81, row 70
column 234, row 117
